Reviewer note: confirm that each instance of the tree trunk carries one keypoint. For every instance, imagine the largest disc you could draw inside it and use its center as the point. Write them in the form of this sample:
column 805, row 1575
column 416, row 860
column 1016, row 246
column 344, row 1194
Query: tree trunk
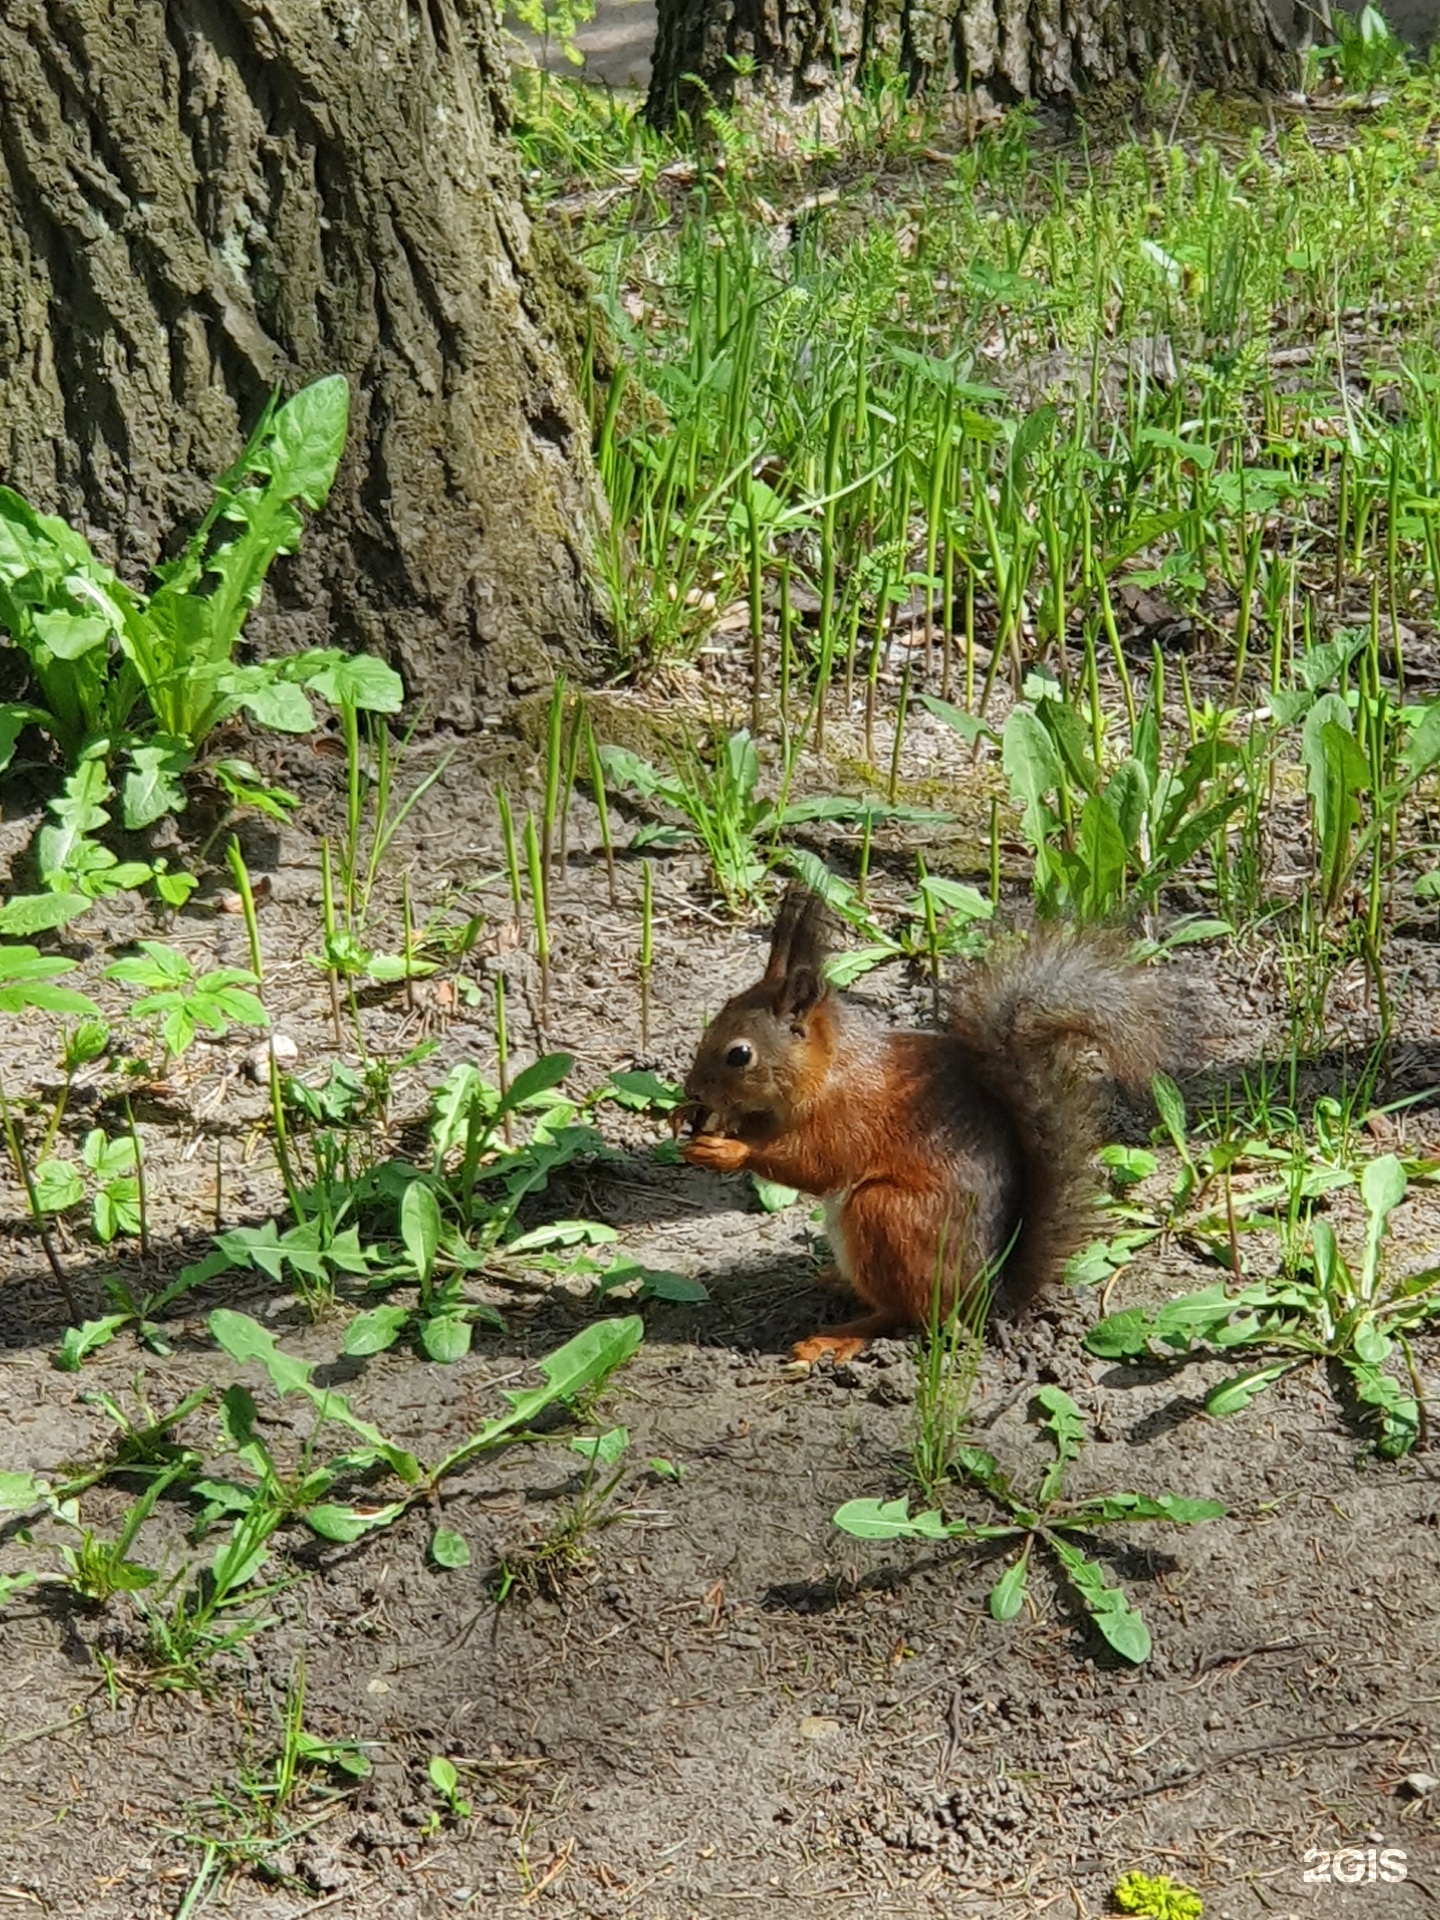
column 200, row 199
column 783, row 59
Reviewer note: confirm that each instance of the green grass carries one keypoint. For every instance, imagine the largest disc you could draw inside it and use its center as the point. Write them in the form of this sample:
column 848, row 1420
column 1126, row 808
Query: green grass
column 993, row 396
column 838, row 388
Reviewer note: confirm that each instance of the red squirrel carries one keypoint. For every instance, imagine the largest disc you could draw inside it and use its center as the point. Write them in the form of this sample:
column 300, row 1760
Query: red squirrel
column 961, row 1155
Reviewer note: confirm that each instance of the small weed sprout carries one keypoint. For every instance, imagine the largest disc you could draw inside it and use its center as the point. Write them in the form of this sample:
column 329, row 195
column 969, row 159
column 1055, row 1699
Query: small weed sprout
column 181, row 999
column 951, row 1348
column 444, row 1777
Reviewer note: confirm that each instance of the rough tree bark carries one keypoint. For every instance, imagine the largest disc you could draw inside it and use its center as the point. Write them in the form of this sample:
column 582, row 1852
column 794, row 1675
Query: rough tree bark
column 201, row 198
column 783, row 57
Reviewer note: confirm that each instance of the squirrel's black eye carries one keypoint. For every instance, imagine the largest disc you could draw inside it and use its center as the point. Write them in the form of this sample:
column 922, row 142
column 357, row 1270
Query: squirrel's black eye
column 740, row 1055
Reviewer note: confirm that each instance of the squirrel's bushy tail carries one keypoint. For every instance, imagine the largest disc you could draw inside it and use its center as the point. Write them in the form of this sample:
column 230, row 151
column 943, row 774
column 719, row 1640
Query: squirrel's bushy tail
column 1028, row 1015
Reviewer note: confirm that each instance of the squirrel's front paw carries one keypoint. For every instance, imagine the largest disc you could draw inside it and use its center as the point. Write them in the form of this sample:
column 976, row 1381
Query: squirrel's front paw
column 716, row 1151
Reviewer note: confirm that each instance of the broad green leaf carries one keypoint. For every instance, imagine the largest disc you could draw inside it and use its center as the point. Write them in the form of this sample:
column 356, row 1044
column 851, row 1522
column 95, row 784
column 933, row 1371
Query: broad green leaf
column 174, row 888
column 587, row 1359
column 844, row 969
column 1330, row 1267
column 387, row 968
column 108, row 1158
column 152, row 788
column 360, row 681
column 25, row 976
column 307, row 438
column 984, row 1469
column 245, row 1339
column 20, row 1491
column 116, row 1210
column 40, row 912
column 242, row 782
column 658, row 1283
column 1142, row 1506
column 70, row 636
column 259, row 1247
column 1127, row 795
column 239, row 1558
column 626, row 769
column 443, row 1776
column 347, row 1524
column 969, row 726
column 1098, row 866
column 1382, row 1186
column 1067, row 732
column 77, row 1342
column 420, row 1226
column 603, row 1449
column 449, row 1548
column 1194, row 928
column 1064, row 1422
column 1231, row 1396
column 1121, row 1335
column 1007, row 1596
column 1032, row 767
column 375, row 1331
column 581, row 1364
column 58, row 1185
column 446, row 1337
column 279, row 705
column 215, row 1006
column 948, row 374
column 1372, row 1345
column 1336, row 771
column 1118, row 1622
column 955, row 897
column 155, row 965
column 177, row 1029
column 342, row 1755
column 1031, row 434
column 126, row 1577
column 539, row 1077
column 1128, row 1165
column 892, row 1520
column 1395, row 1410
column 563, row 1233
column 828, row 806
column 1092, row 1266
column 1195, row 1316
column 642, row 1091
column 15, row 716
column 1422, row 748
column 1176, row 848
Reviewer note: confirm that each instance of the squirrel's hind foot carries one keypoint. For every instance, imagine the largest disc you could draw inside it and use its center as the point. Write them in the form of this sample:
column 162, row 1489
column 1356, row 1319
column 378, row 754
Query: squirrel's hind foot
column 843, row 1343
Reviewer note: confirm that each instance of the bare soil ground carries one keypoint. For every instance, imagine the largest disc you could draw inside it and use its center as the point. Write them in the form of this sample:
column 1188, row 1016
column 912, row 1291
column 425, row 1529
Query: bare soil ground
column 728, row 1707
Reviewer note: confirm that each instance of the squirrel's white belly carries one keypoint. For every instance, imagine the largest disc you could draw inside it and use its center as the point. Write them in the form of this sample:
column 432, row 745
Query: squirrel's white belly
column 833, row 1205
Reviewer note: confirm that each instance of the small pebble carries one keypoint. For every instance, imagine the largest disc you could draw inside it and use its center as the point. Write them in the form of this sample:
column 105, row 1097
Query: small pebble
column 255, row 1065
column 231, row 902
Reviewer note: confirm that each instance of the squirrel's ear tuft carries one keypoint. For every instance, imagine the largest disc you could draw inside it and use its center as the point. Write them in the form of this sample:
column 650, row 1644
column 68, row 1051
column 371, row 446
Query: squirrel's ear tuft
column 799, row 942
column 800, row 990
